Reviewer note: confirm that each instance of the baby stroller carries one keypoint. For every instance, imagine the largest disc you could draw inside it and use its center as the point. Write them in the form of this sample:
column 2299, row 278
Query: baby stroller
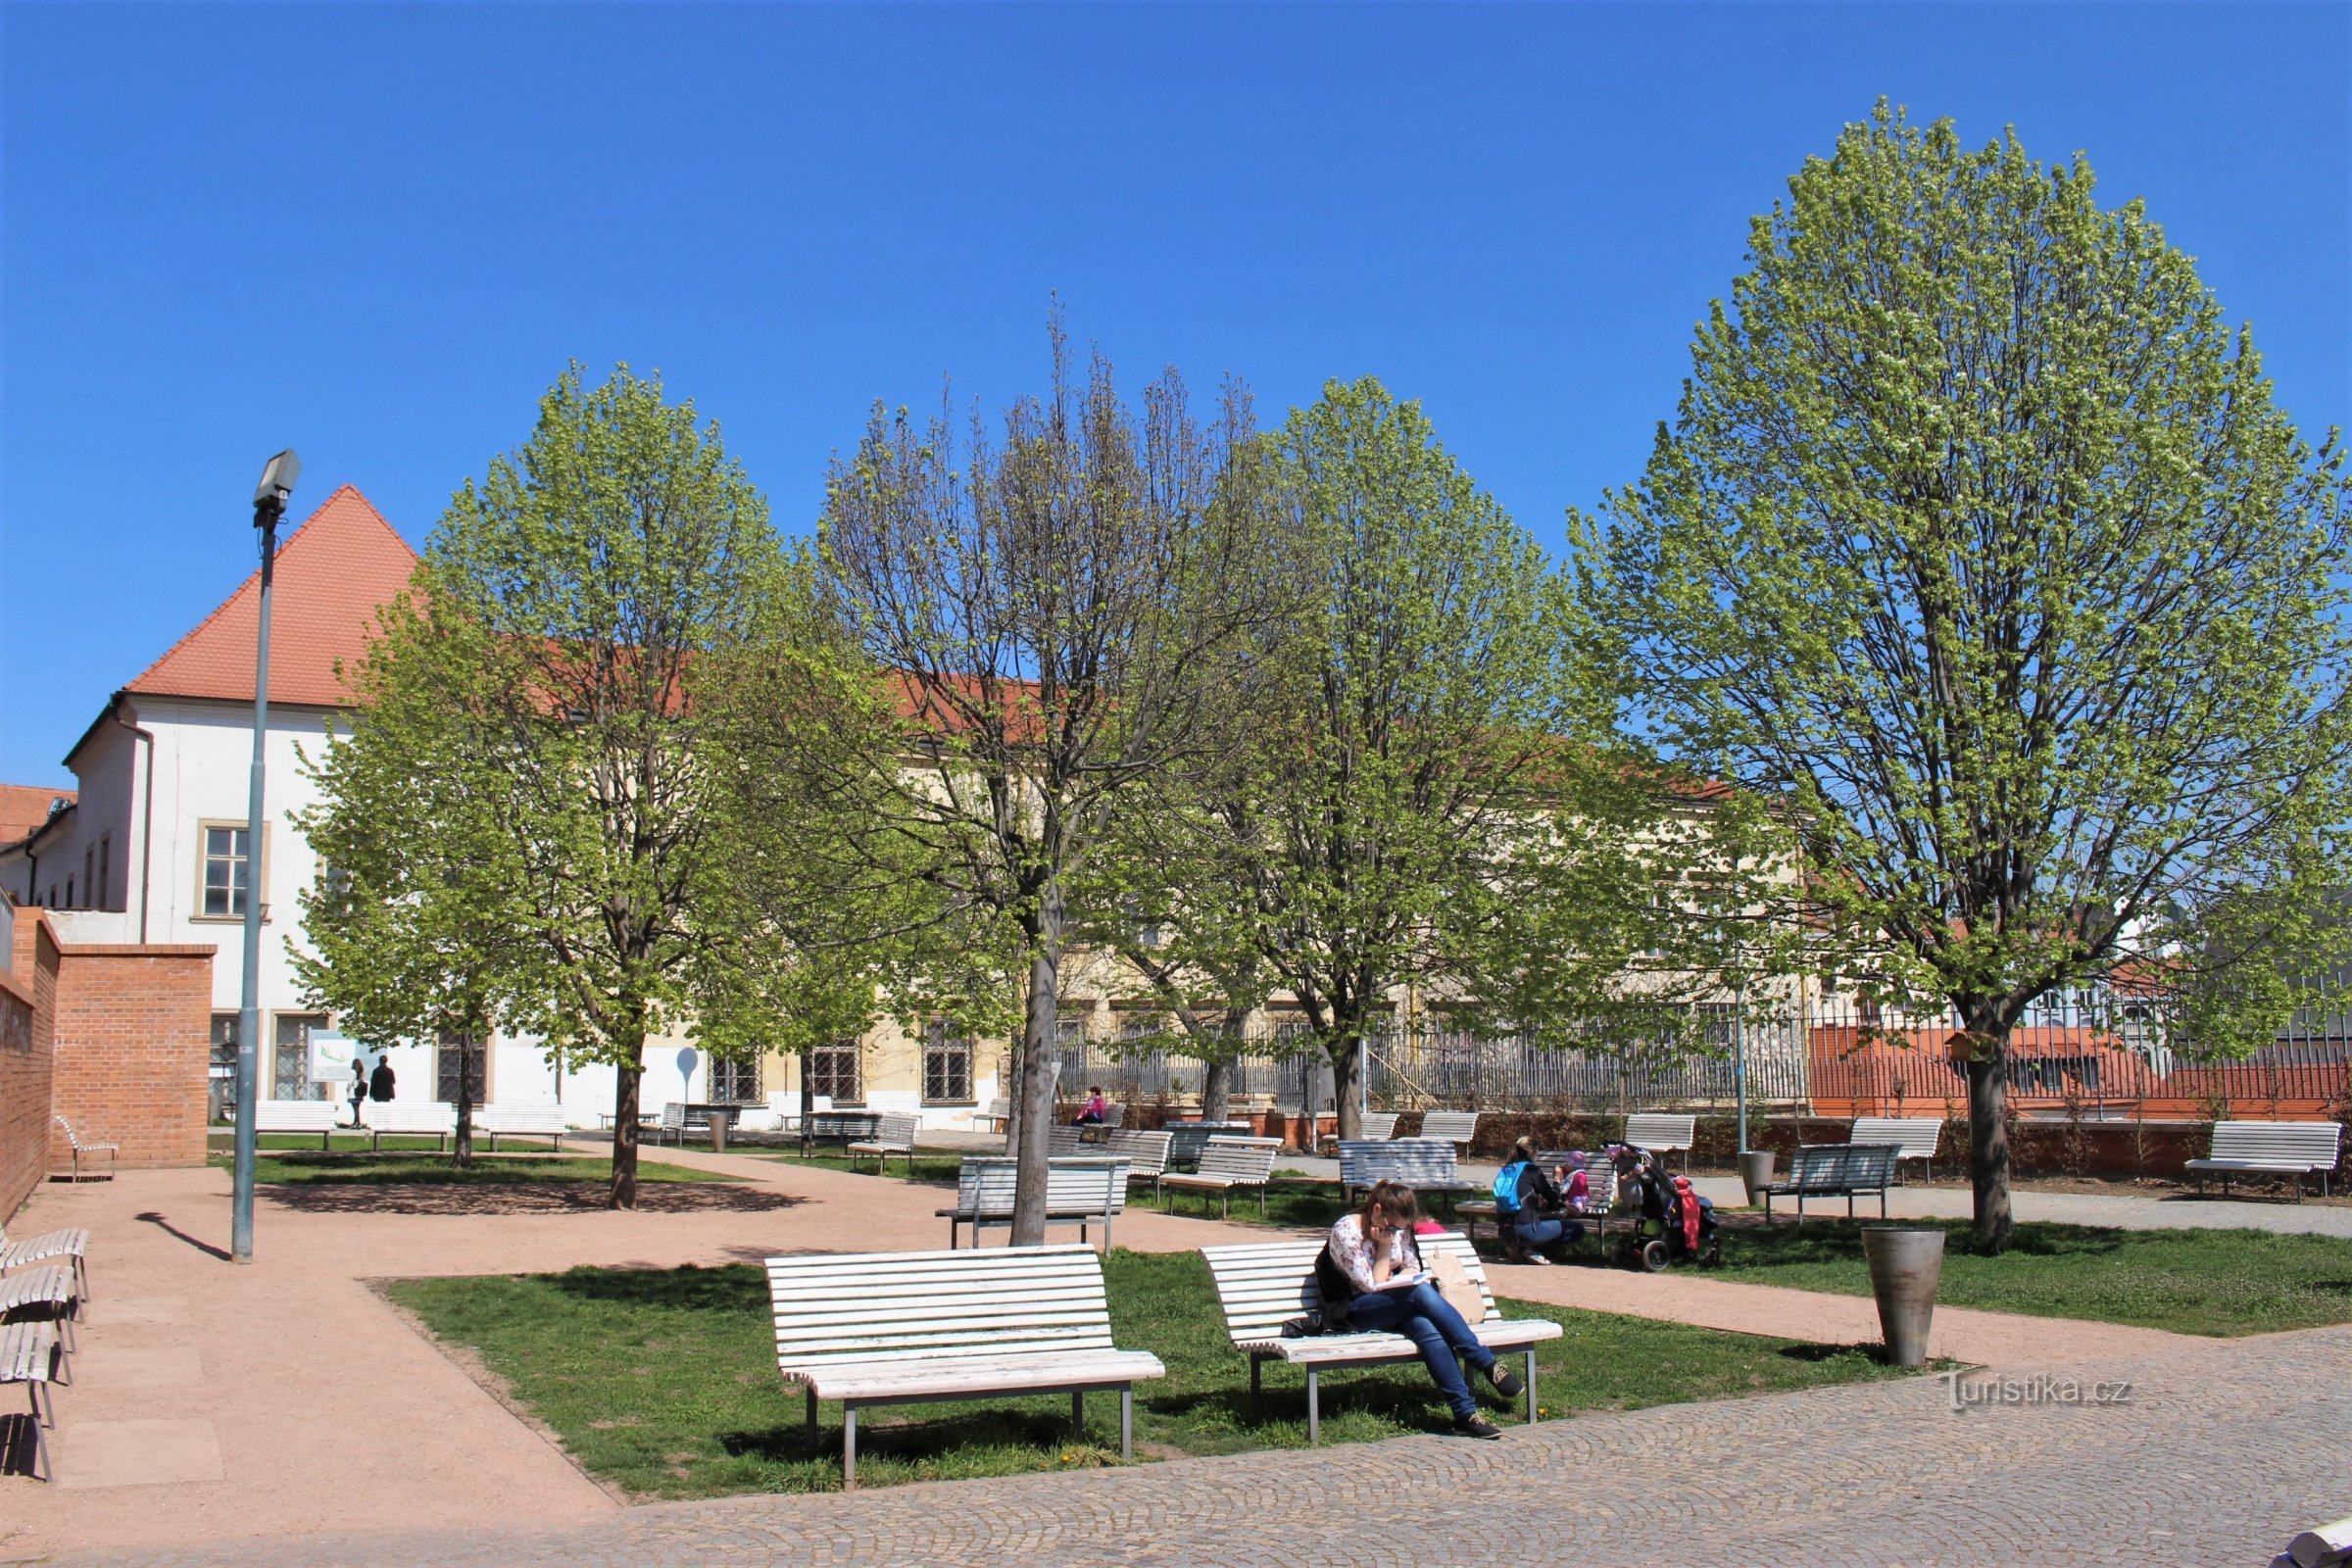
column 1672, row 1223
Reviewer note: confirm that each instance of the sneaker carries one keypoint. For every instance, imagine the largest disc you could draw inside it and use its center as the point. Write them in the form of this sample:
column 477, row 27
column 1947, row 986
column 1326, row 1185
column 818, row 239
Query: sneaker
column 1475, row 1426
column 1506, row 1382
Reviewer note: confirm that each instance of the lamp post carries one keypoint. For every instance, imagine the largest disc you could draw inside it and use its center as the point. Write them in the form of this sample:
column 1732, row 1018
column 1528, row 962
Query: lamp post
column 269, row 506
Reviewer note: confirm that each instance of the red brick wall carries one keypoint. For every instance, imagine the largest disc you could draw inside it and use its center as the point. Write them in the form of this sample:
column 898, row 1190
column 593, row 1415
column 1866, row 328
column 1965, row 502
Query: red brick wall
column 133, row 1034
column 27, row 994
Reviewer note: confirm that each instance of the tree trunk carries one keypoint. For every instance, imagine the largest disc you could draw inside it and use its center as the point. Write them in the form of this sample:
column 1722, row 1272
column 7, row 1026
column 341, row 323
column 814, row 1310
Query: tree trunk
column 463, row 1142
column 1988, row 1132
column 1040, row 1068
column 1346, row 1061
column 1216, row 1090
column 624, row 1136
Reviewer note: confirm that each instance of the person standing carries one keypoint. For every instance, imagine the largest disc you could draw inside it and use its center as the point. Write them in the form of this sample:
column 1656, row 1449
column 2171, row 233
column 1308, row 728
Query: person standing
column 359, row 1085
column 380, row 1082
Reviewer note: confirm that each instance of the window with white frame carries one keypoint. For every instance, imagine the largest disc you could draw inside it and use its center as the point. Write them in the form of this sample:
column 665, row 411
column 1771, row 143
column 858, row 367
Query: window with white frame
column 836, row 1073
column 947, row 1065
column 225, row 877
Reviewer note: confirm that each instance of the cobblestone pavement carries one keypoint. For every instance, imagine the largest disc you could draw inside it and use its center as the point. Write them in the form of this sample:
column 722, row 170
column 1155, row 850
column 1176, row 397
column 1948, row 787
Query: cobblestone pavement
column 2224, row 1449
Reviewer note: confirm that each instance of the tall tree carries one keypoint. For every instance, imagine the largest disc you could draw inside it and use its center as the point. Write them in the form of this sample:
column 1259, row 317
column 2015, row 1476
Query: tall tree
column 595, row 568
column 1979, row 530
column 1047, row 606
column 414, row 929
column 1433, row 794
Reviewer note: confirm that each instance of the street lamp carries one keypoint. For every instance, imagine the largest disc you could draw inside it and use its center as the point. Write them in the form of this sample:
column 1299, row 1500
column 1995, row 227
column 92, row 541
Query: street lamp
column 269, row 506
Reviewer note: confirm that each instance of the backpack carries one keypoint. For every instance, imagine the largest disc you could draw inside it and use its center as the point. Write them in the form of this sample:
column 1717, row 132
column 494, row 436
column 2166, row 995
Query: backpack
column 1338, row 1292
column 1506, row 1188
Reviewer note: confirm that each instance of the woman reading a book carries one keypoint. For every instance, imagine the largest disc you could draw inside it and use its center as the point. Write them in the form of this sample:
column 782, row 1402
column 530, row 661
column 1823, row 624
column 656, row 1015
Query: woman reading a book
column 1373, row 1250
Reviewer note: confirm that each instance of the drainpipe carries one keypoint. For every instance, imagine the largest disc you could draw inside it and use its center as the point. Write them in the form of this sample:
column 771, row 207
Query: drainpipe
column 146, row 812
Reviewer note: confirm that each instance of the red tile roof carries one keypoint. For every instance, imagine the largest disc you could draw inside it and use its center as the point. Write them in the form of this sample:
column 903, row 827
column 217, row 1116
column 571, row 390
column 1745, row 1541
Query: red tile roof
column 25, row 807
column 339, row 565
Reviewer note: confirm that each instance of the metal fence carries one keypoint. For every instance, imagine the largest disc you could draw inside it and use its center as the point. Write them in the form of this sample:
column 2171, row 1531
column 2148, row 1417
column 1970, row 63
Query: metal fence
column 2097, row 1051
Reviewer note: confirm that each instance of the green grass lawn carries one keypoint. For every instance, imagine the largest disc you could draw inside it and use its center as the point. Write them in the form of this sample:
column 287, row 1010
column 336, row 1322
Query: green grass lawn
column 307, row 1166
column 2187, row 1281
column 663, row 1381
column 220, row 1138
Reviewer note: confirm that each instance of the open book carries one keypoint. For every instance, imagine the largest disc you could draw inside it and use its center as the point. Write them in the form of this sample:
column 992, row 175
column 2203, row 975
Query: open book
column 1405, row 1282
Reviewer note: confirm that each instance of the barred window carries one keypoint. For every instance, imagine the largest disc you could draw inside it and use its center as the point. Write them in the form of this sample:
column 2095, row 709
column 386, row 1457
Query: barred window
column 447, row 1058
column 734, row 1083
column 946, row 1066
column 290, row 1074
column 833, row 1072
column 224, row 1041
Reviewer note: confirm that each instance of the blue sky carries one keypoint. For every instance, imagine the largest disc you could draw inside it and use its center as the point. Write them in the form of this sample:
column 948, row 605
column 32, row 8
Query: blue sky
column 377, row 232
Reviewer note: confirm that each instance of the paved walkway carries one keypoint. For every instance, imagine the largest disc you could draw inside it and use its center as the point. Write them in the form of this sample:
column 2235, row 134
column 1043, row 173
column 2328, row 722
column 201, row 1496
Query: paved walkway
column 255, row 1411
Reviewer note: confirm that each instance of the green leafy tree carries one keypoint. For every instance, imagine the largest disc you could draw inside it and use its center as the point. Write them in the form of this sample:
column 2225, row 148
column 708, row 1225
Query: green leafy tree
column 595, row 570
column 414, row 929
column 1978, row 531
column 1432, row 797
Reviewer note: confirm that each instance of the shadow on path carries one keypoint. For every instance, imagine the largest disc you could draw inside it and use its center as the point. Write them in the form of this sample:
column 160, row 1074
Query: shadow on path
column 536, row 1198
column 169, row 1229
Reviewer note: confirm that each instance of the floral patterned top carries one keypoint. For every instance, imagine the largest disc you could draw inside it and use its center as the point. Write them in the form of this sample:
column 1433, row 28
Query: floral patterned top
column 1356, row 1255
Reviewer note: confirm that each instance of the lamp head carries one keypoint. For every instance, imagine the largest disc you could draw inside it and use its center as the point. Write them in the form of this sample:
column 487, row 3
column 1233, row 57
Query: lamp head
column 278, row 483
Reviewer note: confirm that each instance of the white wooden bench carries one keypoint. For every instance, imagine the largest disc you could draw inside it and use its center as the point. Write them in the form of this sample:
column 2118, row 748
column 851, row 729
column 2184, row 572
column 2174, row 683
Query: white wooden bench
column 903, row 1328
column 1145, row 1153
column 85, row 1148
column 1600, row 1196
column 1456, row 1127
column 1425, row 1164
column 395, row 1118
column 1262, row 1286
column 1227, row 1163
column 295, row 1116
column 999, row 1111
column 1914, row 1138
column 2291, row 1149
column 520, row 1119
column 47, row 1287
column 1662, row 1132
column 892, row 1135
column 1835, row 1170
column 30, row 1354
column 1078, row 1192
column 1188, row 1137
column 70, row 1243
column 1378, row 1126
column 1114, row 1112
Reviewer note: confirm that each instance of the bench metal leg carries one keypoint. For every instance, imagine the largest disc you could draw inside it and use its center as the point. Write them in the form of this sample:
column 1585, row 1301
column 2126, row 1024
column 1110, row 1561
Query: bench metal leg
column 41, row 1467
column 849, row 1447
column 1126, row 1421
column 1531, row 1385
column 1314, row 1410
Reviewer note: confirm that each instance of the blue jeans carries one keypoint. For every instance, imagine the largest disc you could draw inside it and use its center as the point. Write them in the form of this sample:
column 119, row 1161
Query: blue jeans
column 1424, row 1316
column 1534, row 1232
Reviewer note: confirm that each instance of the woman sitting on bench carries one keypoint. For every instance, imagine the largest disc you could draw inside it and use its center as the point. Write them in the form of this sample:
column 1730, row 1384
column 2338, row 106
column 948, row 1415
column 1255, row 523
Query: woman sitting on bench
column 1373, row 1253
column 1537, row 1218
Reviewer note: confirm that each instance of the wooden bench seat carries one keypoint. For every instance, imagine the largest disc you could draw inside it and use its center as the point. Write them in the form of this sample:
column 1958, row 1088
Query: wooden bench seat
column 48, row 1291
column 1914, row 1138
column 395, row 1118
column 899, row 1327
column 1227, row 1163
column 1080, row 1192
column 90, row 1148
column 295, row 1116
column 1425, row 1164
column 836, row 1128
column 1835, row 1170
column 1145, row 1153
column 520, row 1119
column 2291, row 1149
column 70, row 1243
column 1186, row 1139
column 1376, row 1126
column 30, row 1354
column 1263, row 1287
column 892, row 1135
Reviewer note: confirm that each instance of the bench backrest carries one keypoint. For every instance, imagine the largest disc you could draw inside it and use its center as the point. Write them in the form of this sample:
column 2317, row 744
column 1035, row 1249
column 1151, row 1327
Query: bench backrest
column 1660, row 1130
column 1263, row 1285
column 1063, row 1140
column 848, row 1123
column 985, row 1182
column 927, row 1307
column 1601, row 1176
column 1246, row 1161
column 1819, row 1166
column 1917, row 1136
column 1414, row 1162
column 998, row 1110
column 896, row 1131
column 673, row 1114
column 1378, row 1126
column 521, row 1117
column 1188, row 1138
column 1113, row 1112
column 395, row 1116
column 2285, row 1142
column 1147, row 1153
column 1449, row 1126
column 293, row 1116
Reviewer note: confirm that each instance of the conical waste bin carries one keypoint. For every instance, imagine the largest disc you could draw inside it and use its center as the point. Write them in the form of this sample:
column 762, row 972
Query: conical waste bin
column 1905, row 1266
